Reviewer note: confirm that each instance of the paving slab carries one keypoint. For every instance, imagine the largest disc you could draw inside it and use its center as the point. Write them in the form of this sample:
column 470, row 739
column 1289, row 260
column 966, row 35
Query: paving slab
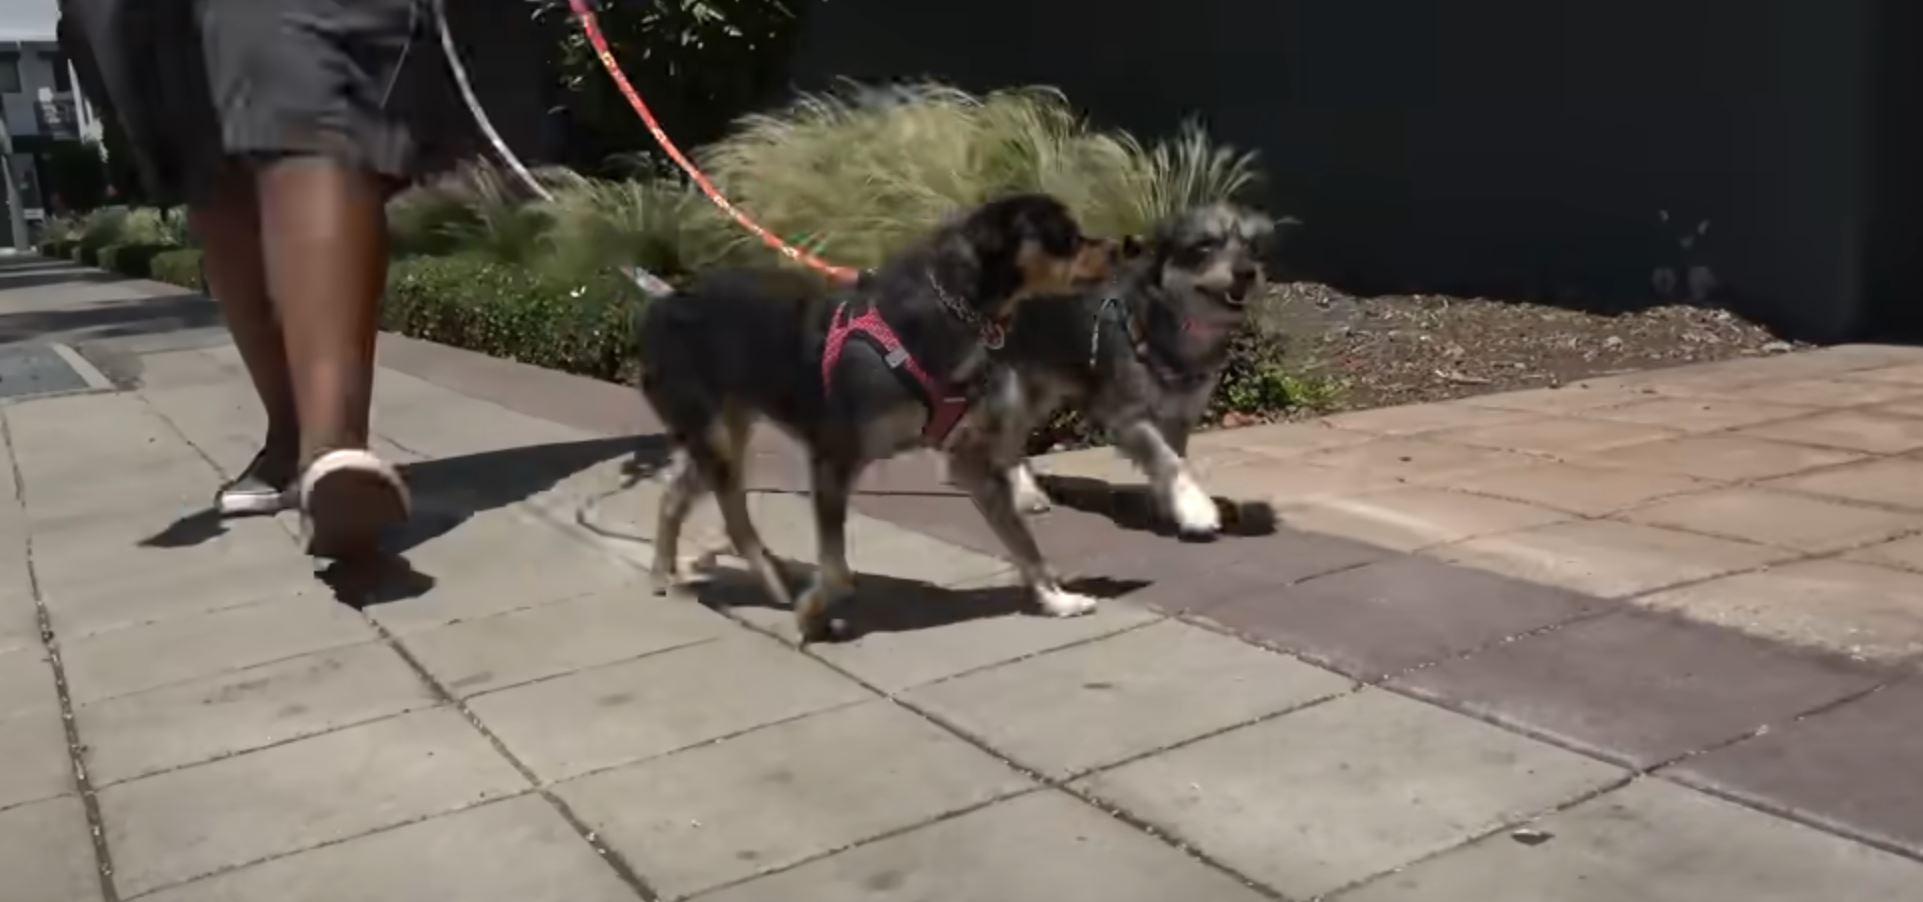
column 1697, row 415
column 119, row 662
column 19, row 620
column 1414, row 419
column 1833, row 393
column 1607, row 558
column 26, row 684
column 1295, row 482
column 1039, row 846
column 1325, row 797
column 1656, row 842
column 238, row 711
column 1409, row 519
column 490, row 653
column 909, row 635
column 773, row 798
column 1636, row 688
column 1387, row 617
column 47, row 854
column 1874, row 431
column 114, row 604
column 1071, row 711
column 186, row 824
column 1902, row 554
column 516, row 850
column 1590, row 491
column 1411, row 460
column 38, row 764
column 1277, row 439
column 875, row 548
column 1576, row 396
column 1859, row 610
column 1901, row 374
column 1895, row 482
column 622, row 713
column 1856, row 769
column 1555, row 437
column 499, row 561
column 1795, row 522
column 1719, row 458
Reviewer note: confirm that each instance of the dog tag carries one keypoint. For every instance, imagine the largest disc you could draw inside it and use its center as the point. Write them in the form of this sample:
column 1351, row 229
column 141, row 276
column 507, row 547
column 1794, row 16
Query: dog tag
column 896, row 358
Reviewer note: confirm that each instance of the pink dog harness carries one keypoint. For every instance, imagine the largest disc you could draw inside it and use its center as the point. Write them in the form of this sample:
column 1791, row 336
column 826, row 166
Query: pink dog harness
column 944, row 409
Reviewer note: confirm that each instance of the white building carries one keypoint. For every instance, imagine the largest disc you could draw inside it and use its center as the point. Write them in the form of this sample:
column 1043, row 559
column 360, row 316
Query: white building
column 39, row 97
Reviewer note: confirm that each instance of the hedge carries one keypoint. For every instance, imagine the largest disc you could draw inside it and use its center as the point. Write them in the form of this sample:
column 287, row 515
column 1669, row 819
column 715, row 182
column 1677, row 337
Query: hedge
column 178, row 266
column 132, row 260
column 516, row 313
column 59, row 248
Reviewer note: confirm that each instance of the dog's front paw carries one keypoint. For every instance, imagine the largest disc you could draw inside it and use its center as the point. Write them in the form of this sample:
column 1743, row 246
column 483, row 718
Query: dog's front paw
column 1195, row 512
column 1029, row 497
column 814, row 612
column 1059, row 602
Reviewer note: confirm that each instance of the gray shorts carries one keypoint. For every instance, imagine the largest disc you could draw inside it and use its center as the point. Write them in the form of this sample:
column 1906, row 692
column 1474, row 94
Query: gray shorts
column 199, row 84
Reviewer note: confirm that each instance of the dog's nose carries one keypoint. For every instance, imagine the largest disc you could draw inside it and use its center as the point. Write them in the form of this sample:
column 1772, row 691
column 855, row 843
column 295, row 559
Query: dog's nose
column 1244, row 277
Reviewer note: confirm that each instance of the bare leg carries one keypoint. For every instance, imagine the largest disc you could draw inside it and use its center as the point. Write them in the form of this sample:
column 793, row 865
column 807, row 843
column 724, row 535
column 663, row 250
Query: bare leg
column 1176, row 492
column 834, row 581
column 228, row 224
column 325, row 229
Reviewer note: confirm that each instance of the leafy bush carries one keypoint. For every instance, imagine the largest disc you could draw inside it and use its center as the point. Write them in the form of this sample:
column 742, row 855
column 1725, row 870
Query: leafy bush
column 857, row 173
column 97, row 230
column 659, row 225
column 516, row 313
column 178, row 266
column 477, row 208
column 60, row 248
column 132, row 259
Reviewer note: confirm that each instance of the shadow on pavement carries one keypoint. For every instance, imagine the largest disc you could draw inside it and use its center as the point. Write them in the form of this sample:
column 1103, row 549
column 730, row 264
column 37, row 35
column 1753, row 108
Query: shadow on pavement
column 889, row 604
column 113, row 319
column 1131, row 507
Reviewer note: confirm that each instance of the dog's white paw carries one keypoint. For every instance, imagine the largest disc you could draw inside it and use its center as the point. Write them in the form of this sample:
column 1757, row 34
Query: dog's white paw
column 1195, row 512
column 1029, row 497
column 1059, row 602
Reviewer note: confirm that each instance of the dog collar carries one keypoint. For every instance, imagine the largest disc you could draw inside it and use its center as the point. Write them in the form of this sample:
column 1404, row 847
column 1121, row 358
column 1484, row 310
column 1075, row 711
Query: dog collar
column 993, row 331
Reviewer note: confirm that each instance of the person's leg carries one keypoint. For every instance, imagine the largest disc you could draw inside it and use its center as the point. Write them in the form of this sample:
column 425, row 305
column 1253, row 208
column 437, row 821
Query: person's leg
column 228, row 224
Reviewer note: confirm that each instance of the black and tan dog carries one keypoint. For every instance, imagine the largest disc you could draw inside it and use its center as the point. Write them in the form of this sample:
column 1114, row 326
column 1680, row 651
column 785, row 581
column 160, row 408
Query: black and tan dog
column 1139, row 358
column 855, row 378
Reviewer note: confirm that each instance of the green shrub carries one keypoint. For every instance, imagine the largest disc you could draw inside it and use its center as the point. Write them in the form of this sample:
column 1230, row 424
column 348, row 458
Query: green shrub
column 479, row 207
column 857, row 173
column 659, row 225
column 1258, row 382
column 132, row 259
column 516, row 313
column 59, row 248
column 178, row 266
column 98, row 229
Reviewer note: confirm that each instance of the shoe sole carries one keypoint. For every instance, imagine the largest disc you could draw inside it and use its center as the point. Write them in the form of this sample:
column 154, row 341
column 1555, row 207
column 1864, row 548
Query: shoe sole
column 348, row 509
column 246, row 505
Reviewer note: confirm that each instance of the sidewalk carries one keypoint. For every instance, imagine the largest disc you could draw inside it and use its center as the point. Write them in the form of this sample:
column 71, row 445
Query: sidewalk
column 1646, row 638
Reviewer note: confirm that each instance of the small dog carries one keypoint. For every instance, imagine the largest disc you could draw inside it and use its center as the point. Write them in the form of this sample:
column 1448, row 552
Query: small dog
column 1139, row 358
column 855, row 378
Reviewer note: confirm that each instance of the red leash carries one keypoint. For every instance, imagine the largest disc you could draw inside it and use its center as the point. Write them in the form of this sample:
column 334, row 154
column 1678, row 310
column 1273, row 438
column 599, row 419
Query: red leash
column 591, row 26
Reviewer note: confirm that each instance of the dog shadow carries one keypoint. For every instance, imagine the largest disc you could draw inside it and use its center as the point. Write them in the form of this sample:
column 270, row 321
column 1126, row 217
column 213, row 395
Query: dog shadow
column 1132, row 508
column 891, row 604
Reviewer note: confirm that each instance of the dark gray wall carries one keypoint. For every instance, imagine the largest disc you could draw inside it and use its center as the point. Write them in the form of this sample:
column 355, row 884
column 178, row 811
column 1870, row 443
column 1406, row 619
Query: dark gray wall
column 1516, row 147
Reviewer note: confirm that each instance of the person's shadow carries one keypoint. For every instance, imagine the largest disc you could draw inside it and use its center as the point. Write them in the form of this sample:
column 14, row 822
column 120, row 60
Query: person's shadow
column 447, row 492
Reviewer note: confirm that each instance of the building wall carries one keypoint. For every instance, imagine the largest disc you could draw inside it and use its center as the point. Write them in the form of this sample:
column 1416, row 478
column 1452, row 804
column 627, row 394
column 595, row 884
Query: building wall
column 1514, row 147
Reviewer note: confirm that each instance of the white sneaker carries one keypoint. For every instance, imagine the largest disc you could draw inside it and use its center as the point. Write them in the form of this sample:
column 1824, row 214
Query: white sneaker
column 256, row 491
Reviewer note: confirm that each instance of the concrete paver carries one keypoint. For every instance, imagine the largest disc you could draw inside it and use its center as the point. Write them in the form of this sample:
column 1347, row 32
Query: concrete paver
column 1608, row 558
column 1826, row 392
column 186, row 824
column 1857, row 768
column 119, row 662
column 1591, row 491
column 1794, row 522
column 766, row 800
column 476, row 656
column 621, row 713
column 1636, row 688
column 1090, row 706
column 1555, row 436
column 34, row 747
column 1384, row 618
column 1414, row 419
column 1699, row 414
column 1860, row 610
column 26, row 684
column 46, row 853
column 1410, row 519
column 1653, row 841
column 1723, row 458
column 516, row 850
column 1415, row 460
column 1039, row 846
column 1850, row 430
column 241, row 710
column 1903, row 554
column 1323, row 798
column 1896, row 482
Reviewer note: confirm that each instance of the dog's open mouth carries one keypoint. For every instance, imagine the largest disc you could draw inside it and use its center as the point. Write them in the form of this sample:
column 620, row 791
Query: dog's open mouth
column 1235, row 295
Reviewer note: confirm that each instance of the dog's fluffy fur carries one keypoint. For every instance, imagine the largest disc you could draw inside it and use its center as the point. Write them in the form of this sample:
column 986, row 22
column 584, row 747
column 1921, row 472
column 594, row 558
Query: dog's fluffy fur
column 1138, row 358
column 738, row 346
